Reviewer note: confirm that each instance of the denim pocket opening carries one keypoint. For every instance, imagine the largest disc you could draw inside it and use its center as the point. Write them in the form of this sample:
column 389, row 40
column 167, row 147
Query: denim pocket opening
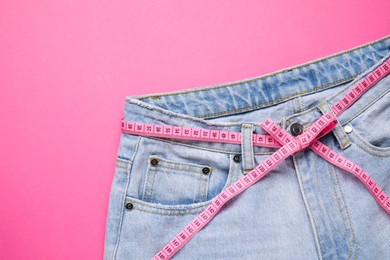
column 370, row 127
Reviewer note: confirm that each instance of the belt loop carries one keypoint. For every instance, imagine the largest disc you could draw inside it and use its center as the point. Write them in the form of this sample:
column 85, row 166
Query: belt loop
column 338, row 131
column 248, row 162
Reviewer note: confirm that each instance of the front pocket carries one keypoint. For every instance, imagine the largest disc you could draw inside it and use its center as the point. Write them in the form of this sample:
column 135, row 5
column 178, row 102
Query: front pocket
column 370, row 127
column 366, row 146
column 178, row 177
column 172, row 182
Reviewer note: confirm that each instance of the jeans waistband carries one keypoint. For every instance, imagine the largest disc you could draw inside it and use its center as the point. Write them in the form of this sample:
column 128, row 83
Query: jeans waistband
column 223, row 106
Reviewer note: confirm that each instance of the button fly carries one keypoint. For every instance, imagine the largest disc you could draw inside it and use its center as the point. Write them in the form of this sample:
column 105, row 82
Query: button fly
column 296, row 129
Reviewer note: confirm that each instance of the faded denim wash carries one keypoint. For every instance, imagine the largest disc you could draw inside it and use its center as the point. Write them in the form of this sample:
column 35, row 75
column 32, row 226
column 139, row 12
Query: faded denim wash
column 305, row 209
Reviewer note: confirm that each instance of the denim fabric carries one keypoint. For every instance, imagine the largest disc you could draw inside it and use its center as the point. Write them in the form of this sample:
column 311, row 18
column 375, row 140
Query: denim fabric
column 305, row 208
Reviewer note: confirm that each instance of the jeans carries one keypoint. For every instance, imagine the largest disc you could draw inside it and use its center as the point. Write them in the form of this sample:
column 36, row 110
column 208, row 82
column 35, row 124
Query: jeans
column 306, row 208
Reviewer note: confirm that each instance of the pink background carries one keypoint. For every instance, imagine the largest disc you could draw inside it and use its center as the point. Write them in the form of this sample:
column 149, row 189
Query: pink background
column 66, row 67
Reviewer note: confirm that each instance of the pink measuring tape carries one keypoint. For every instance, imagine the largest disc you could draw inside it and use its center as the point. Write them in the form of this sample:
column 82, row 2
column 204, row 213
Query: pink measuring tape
column 279, row 138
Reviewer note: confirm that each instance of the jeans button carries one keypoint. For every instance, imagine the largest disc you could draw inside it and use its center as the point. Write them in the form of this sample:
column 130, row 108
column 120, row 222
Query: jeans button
column 206, row 170
column 154, row 162
column 296, row 129
column 237, row 158
column 129, row 206
column 348, row 129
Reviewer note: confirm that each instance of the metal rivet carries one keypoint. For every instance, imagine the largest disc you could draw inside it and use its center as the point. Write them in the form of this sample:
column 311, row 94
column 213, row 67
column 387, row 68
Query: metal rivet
column 296, row 129
column 154, row 162
column 206, row 170
column 237, row 158
column 129, row 206
column 347, row 129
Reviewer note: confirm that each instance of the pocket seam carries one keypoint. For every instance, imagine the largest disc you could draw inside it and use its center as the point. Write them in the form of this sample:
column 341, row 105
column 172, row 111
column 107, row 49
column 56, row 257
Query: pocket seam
column 181, row 208
column 166, row 161
column 361, row 141
column 180, row 170
column 172, row 214
column 367, row 147
column 170, row 165
column 367, row 106
column 144, row 197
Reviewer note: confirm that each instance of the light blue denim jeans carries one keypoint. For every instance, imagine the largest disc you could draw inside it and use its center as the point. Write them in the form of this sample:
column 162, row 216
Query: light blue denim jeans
column 306, row 208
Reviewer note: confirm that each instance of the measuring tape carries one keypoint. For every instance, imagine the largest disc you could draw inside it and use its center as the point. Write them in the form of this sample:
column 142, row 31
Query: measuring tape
column 279, row 138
